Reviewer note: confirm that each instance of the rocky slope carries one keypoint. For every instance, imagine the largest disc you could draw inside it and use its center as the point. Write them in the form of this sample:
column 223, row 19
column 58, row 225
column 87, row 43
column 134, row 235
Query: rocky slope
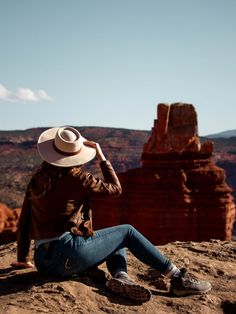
column 26, row 292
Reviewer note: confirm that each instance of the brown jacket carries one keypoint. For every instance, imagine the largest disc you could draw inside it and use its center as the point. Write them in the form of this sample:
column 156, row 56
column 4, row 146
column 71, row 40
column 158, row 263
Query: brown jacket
column 48, row 216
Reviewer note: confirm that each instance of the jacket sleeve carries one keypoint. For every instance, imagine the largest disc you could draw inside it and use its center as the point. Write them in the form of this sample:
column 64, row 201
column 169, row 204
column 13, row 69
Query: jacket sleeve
column 23, row 231
column 110, row 186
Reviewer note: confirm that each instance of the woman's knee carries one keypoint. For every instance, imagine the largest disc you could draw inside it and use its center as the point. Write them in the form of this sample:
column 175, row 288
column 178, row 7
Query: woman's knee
column 128, row 227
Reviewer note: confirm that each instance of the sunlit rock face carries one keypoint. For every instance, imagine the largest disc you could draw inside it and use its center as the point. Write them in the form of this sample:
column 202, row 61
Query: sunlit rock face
column 8, row 223
column 178, row 193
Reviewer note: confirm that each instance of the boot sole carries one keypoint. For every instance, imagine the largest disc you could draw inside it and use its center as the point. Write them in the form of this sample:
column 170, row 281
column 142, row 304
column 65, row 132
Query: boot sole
column 133, row 292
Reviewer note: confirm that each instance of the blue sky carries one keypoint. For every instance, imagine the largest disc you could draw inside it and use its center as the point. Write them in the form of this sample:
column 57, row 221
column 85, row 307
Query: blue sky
column 110, row 62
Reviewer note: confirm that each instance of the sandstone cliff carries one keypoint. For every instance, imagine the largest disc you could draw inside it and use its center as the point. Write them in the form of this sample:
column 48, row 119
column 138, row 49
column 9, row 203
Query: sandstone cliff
column 178, row 193
column 8, row 223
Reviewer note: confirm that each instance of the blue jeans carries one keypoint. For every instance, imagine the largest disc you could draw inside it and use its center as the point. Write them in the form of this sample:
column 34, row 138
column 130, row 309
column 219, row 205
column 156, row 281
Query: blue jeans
column 74, row 254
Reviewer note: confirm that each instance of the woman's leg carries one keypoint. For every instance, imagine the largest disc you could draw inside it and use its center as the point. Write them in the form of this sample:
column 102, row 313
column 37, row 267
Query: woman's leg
column 80, row 254
column 127, row 236
column 74, row 254
column 117, row 262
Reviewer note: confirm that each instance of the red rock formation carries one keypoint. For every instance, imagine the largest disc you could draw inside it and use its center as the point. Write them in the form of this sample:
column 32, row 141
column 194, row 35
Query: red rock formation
column 178, row 193
column 8, row 223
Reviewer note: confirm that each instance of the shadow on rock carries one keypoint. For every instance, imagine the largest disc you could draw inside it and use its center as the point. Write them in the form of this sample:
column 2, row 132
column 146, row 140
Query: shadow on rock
column 228, row 307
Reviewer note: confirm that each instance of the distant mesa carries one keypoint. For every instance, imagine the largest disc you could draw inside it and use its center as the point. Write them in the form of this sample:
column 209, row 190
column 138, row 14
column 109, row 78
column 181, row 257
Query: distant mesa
column 225, row 134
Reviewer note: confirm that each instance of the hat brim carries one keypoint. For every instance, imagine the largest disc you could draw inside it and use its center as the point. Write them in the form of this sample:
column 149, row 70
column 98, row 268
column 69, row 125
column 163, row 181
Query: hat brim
column 49, row 154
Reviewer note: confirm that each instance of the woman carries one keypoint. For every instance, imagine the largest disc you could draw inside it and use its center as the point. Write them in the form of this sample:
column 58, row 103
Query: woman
column 56, row 213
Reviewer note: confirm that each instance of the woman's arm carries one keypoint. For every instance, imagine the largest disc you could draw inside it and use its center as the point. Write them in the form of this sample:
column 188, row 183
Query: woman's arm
column 110, row 186
column 23, row 235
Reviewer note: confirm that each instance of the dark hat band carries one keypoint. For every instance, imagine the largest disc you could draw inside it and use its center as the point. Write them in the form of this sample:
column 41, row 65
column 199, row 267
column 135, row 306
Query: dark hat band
column 65, row 153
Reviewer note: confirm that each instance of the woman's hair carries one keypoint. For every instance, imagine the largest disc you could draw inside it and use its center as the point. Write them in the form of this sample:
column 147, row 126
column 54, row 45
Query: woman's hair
column 43, row 179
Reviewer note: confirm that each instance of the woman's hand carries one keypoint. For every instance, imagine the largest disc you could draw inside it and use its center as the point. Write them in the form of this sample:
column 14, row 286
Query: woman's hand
column 96, row 146
column 22, row 264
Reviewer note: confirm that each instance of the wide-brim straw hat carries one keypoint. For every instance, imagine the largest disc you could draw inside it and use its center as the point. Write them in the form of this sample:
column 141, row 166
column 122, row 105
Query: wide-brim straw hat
column 64, row 147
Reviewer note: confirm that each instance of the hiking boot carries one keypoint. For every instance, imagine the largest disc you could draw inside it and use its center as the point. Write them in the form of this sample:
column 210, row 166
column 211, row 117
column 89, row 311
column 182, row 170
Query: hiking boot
column 187, row 284
column 125, row 287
